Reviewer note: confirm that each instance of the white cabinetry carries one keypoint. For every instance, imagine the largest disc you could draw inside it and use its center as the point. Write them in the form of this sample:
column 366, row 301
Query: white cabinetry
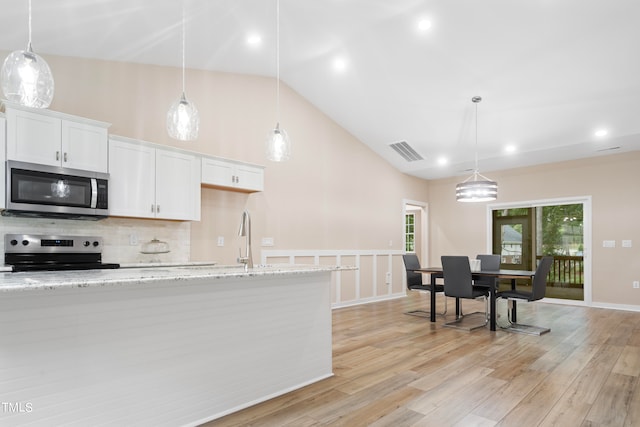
column 51, row 138
column 149, row 181
column 232, row 175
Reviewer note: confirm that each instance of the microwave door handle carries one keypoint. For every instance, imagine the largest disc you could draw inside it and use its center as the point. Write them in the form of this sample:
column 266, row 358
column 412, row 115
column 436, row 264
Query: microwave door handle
column 94, row 193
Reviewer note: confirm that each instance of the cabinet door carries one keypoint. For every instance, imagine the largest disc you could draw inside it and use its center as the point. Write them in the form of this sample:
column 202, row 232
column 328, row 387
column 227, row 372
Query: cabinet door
column 177, row 185
column 33, row 138
column 132, row 180
column 250, row 177
column 84, row 146
column 233, row 175
column 218, row 172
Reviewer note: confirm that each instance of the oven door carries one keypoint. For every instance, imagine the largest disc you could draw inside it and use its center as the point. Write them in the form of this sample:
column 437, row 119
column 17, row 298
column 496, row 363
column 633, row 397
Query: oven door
column 39, row 190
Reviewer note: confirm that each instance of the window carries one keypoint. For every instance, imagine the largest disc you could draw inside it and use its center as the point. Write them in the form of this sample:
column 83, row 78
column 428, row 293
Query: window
column 410, row 232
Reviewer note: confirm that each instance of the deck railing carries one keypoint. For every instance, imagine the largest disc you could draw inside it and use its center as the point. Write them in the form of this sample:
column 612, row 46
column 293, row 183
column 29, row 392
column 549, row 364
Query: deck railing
column 567, row 271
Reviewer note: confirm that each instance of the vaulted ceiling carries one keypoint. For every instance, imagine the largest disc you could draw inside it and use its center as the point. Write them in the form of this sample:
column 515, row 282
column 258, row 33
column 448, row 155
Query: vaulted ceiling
column 551, row 73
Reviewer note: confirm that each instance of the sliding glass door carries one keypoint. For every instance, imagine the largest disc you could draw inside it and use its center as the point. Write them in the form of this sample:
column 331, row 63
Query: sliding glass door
column 524, row 235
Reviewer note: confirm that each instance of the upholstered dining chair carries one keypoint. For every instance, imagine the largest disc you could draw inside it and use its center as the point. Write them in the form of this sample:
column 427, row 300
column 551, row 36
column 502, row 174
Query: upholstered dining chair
column 538, row 290
column 414, row 283
column 488, row 263
column 458, row 283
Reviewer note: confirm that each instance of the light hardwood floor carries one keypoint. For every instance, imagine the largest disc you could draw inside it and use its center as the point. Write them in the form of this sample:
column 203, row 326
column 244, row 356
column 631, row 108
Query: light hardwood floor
column 392, row 369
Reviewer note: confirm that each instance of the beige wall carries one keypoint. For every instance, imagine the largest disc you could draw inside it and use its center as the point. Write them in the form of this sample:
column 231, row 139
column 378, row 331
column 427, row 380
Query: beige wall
column 335, row 193
column 611, row 181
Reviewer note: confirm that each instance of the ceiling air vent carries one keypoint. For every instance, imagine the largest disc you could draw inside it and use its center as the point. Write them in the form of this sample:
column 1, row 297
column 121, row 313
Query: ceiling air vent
column 406, row 151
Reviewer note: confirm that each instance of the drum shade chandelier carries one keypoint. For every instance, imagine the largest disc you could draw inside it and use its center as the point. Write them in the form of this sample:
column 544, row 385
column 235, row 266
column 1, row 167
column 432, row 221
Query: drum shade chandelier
column 183, row 120
column 278, row 143
column 26, row 78
column 476, row 188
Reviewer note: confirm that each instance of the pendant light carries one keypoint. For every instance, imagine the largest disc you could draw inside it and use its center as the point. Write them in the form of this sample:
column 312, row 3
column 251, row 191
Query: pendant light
column 278, row 143
column 183, row 120
column 476, row 188
column 26, row 78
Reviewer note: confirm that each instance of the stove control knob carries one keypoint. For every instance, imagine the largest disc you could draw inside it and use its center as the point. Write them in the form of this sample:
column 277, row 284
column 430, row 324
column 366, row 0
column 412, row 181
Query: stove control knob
column 25, row 242
column 96, row 243
column 86, row 243
column 13, row 242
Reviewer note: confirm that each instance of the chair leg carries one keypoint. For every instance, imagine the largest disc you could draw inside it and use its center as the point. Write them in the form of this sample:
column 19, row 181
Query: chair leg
column 521, row 328
column 425, row 313
column 458, row 323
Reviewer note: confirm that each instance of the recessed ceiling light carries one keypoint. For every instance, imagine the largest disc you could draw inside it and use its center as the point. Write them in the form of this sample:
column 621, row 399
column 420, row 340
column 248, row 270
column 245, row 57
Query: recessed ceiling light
column 424, row 24
column 510, row 148
column 339, row 64
column 442, row 161
column 254, row 40
column 601, row 132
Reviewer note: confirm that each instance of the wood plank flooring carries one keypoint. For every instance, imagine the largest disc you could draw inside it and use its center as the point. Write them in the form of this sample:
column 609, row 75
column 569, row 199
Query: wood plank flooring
column 392, row 369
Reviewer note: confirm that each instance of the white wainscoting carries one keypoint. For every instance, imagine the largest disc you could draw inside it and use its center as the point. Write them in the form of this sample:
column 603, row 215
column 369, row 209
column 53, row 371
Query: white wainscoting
column 367, row 283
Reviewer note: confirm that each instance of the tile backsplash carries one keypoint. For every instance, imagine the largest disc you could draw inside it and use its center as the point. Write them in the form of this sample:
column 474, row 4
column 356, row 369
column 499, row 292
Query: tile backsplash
column 118, row 235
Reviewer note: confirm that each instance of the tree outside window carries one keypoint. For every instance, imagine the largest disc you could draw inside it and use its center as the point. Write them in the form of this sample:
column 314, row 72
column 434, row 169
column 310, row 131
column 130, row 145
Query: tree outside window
column 410, row 232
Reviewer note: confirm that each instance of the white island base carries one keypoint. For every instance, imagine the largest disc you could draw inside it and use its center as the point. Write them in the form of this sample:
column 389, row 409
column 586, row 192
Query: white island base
column 169, row 352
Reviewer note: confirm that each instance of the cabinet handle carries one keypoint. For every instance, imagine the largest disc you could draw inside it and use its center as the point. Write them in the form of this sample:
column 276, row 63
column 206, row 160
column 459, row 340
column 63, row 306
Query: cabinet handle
column 152, row 209
column 65, row 157
column 157, row 208
column 57, row 155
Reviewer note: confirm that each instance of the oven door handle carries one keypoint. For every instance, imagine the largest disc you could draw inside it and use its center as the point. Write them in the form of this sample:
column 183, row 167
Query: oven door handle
column 94, row 193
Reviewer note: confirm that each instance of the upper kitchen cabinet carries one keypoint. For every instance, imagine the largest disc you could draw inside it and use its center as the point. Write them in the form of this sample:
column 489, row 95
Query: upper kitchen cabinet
column 152, row 181
column 56, row 139
column 232, row 175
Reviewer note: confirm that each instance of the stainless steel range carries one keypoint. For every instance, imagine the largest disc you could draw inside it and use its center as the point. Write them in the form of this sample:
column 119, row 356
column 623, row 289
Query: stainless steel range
column 36, row 252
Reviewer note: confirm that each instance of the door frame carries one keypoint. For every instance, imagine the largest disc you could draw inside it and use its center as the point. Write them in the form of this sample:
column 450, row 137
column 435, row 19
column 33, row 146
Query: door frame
column 587, row 228
column 424, row 227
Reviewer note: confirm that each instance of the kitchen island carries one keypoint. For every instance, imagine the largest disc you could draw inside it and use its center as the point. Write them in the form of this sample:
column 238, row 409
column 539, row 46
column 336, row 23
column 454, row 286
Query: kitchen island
column 159, row 346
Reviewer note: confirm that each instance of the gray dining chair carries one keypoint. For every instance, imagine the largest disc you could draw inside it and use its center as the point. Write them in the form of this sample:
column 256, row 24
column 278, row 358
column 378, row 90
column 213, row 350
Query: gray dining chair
column 487, row 263
column 414, row 283
column 538, row 290
column 458, row 283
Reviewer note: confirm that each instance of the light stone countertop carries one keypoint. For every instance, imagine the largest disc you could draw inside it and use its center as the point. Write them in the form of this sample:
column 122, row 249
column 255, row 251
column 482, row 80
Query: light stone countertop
column 50, row 280
column 165, row 264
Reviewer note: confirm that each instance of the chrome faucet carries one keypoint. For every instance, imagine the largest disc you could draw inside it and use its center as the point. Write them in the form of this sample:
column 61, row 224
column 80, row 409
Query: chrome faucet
column 245, row 231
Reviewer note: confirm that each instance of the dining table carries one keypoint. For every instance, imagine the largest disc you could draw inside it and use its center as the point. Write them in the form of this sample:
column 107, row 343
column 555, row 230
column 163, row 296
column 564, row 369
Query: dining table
column 513, row 275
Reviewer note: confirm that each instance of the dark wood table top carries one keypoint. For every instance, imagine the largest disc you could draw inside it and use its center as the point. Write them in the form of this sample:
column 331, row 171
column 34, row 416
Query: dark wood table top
column 502, row 274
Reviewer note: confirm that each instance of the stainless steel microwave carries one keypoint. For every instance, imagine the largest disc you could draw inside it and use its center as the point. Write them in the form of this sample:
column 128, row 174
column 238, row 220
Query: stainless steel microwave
column 49, row 191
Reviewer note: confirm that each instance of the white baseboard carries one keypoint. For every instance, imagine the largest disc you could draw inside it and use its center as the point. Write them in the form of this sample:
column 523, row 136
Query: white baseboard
column 361, row 301
column 624, row 307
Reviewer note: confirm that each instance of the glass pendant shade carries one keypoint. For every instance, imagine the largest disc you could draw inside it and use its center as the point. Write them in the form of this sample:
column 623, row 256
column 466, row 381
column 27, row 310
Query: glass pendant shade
column 478, row 190
column 183, row 120
column 26, row 79
column 278, row 145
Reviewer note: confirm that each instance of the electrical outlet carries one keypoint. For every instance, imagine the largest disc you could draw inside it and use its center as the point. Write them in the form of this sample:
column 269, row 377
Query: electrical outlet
column 636, row 284
column 388, row 278
column 220, row 240
column 133, row 239
column 267, row 241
